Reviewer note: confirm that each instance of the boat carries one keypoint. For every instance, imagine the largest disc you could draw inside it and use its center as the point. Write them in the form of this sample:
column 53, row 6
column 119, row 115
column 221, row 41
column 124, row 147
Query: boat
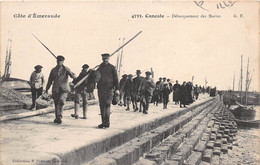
column 244, row 113
column 246, row 123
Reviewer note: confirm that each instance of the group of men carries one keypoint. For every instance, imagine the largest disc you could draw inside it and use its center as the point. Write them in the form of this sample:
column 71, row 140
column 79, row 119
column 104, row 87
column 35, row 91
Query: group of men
column 140, row 91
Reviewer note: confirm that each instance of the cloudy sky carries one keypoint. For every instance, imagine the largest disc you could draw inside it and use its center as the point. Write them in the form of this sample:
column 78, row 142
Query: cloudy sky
column 175, row 48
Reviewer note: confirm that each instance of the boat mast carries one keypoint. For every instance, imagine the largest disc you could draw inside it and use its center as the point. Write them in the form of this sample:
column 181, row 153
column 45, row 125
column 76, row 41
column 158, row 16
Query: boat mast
column 239, row 84
column 206, row 82
column 234, row 81
column 249, row 82
column 247, row 73
column 8, row 62
column 121, row 56
column 117, row 62
column 241, row 78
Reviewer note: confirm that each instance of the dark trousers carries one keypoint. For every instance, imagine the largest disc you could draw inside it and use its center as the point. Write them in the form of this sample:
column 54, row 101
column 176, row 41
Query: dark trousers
column 79, row 94
column 59, row 101
column 145, row 100
column 165, row 101
column 36, row 93
column 105, row 98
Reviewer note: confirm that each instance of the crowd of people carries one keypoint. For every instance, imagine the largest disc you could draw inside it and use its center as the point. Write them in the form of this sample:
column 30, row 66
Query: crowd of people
column 133, row 91
column 136, row 90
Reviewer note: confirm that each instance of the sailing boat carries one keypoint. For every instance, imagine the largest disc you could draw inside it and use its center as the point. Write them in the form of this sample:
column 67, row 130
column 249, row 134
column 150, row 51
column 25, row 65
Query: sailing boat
column 244, row 113
column 9, row 82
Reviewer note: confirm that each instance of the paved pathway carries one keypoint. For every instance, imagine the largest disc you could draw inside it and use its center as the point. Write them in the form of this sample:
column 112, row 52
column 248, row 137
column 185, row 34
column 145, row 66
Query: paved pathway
column 37, row 138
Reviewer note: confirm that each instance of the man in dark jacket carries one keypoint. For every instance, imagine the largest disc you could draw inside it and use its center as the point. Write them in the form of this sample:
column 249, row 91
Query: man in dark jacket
column 160, row 84
column 146, row 89
column 81, row 92
column 122, row 90
column 165, row 95
column 60, row 86
column 183, row 95
column 137, row 81
column 129, row 90
column 107, row 82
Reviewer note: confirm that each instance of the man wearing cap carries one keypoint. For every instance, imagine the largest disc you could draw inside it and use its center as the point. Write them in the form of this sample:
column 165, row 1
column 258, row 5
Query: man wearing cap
column 170, row 84
column 36, row 82
column 159, row 84
column 81, row 92
column 58, row 78
column 137, row 81
column 146, row 89
column 129, row 90
column 107, row 83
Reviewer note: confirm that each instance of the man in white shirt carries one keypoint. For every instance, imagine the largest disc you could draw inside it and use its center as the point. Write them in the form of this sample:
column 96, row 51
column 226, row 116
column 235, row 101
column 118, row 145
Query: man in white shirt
column 36, row 82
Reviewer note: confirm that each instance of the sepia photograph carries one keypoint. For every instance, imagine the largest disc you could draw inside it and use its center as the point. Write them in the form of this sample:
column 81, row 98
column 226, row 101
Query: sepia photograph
column 129, row 82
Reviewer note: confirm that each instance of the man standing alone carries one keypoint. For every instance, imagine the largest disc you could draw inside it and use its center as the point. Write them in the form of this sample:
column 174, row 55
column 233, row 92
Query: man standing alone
column 108, row 81
column 60, row 86
column 36, row 82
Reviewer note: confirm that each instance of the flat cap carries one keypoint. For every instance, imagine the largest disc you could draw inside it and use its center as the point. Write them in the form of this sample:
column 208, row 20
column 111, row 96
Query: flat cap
column 124, row 75
column 138, row 71
column 85, row 66
column 105, row 55
column 148, row 73
column 130, row 75
column 60, row 58
column 38, row 67
column 164, row 78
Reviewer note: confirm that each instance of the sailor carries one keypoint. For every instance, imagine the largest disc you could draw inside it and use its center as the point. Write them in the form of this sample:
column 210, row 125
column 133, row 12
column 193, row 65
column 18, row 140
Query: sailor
column 170, row 84
column 159, row 84
column 58, row 78
column 108, row 81
column 137, row 81
column 36, row 82
column 164, row 82
column 122, row 89
column 146, row 89
column 165, row 95
column 129, row 90
column 81, row 92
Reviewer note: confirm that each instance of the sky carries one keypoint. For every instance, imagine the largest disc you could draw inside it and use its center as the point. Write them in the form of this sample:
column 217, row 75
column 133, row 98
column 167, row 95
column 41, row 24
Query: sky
column 176, row 48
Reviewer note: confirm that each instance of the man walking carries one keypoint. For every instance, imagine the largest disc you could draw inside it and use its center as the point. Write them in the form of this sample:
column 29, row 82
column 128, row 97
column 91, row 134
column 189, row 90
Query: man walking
column 36, row 82
column 129, row 90
column 137, row 81
column 122, row 90
column 81, row 91
column 108, row 81
column 58, row 78
column 146, row 89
